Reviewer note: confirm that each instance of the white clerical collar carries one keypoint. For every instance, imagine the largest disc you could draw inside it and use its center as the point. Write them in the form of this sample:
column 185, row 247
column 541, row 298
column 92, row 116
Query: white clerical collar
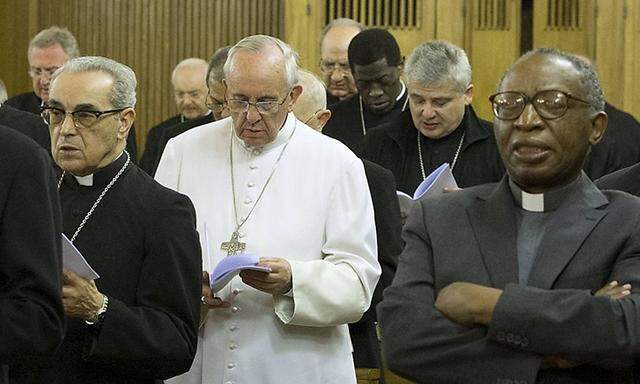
column 87, row 181
column 281, row 138
column 402, row 91
column 543, row 202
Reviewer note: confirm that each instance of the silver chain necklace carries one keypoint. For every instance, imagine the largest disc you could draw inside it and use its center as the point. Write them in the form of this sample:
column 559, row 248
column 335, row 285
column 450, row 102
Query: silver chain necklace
column 234, row 246
column 455, row 157
column 362, row 123
column 104, row 192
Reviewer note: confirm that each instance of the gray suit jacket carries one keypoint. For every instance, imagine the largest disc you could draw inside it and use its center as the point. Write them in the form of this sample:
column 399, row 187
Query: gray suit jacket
column 470, row 236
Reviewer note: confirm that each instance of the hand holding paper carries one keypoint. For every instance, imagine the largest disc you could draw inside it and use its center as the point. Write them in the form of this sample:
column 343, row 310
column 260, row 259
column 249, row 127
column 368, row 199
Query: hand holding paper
column 278, row 281
column 231, row 266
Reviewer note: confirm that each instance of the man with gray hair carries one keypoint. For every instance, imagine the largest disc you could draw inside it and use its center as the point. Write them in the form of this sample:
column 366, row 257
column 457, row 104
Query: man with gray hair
column 440, row 125
column 190, row 93
column 313, row 237
column 334, row 63
column 48, row 51
column 137, row 322
column 215, row 102
column 533, row 279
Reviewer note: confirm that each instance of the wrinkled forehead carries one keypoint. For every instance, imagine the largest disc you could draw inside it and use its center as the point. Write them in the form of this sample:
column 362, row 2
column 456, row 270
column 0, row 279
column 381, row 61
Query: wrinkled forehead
column 542, row 72
column 373, row 70
column 248, row 68
column 70, row 89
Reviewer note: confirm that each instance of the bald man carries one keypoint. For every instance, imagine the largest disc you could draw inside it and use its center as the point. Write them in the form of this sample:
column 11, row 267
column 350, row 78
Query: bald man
column 190, row 92
column 334, row 43
column 311, row 108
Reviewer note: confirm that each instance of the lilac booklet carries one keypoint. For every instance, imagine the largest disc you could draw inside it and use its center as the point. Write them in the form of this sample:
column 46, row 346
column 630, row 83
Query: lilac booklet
column 230, row 266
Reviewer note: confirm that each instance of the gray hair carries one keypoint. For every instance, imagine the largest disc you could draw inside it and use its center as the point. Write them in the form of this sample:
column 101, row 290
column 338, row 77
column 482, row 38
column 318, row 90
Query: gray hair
column 258, row 44
column 439, row 62
column 123, row 92
column 215, row 73
column 340, row 22
column 192, row 63
column 588, row 76
column 56, row 35
column 314, row 94
column 3, row 92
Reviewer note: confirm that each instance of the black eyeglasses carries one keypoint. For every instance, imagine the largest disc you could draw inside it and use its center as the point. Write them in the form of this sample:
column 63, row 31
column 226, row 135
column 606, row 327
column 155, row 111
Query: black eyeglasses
column 549, row 104
column 214, row 104
column 81, row 119
column 263, row 107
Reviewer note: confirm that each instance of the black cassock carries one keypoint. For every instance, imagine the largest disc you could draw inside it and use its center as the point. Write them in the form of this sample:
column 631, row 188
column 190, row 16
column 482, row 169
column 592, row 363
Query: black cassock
column 31, row 313
column 27, row 123
column 345, row 123
column 142, row 241
column 148, row 160
column 394, row 146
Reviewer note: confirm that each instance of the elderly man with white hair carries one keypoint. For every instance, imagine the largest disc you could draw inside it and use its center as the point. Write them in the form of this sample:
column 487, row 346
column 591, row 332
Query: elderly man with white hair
column 266, row 183
column 137, row 322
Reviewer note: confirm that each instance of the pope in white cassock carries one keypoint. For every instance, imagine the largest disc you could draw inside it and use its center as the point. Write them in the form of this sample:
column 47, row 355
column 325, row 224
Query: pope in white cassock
column 265, row 181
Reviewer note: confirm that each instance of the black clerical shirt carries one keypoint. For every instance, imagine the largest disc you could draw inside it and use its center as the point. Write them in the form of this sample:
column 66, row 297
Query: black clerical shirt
column 142, row 241
column 345, row 124
column 394, row 145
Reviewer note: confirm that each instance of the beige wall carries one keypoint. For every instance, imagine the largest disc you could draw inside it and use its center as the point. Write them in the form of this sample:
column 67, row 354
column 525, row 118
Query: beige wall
column 151, row 36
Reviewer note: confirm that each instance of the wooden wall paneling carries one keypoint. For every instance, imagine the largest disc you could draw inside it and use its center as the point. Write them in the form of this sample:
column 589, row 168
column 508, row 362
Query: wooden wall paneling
column 450, row 21
column 14, row 66
column 564, row 24
column 303, row 24
column 495, row 44
column 610, row 49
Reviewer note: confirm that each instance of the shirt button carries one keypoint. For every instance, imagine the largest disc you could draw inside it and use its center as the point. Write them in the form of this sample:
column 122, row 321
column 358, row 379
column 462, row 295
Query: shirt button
column 243, row 218
column 235, row 309
column 233, row 346
column 241, row 234
column 256, row 152
column 229, row 382
column 236, row 291
column 76, row 212
column 253, row 166
column 248, row 201
column 231, row 365
column 250, row 184
column 233, row 328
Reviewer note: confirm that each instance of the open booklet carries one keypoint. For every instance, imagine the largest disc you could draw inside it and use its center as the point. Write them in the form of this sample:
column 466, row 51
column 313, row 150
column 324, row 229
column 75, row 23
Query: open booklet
column 73, row 260
column 433, row 185
column 229, row 267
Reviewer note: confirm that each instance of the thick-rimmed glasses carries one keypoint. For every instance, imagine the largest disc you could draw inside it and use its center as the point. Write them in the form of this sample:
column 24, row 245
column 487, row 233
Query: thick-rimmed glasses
column 330, row 66
column 215, row 105
column 549, row 104
column 263, row 107
column 81, row 119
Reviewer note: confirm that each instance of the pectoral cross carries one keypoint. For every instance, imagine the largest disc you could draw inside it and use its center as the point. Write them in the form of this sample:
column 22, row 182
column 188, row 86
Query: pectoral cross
column 233, row 246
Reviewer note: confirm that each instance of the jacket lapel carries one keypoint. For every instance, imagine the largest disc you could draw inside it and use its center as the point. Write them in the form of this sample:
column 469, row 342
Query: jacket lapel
column 493, row 222
column 564, row 235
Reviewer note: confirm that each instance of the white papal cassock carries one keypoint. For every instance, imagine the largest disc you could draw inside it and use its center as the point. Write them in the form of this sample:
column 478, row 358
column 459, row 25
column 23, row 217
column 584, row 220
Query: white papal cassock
column 316, row 212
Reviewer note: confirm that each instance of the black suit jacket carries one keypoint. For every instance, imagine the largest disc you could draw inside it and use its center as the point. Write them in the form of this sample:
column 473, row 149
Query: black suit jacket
column 366, row 351
column 31, row 313
column 27, row 123
column 470, row 236
column 142, row 241
column 31, row 103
